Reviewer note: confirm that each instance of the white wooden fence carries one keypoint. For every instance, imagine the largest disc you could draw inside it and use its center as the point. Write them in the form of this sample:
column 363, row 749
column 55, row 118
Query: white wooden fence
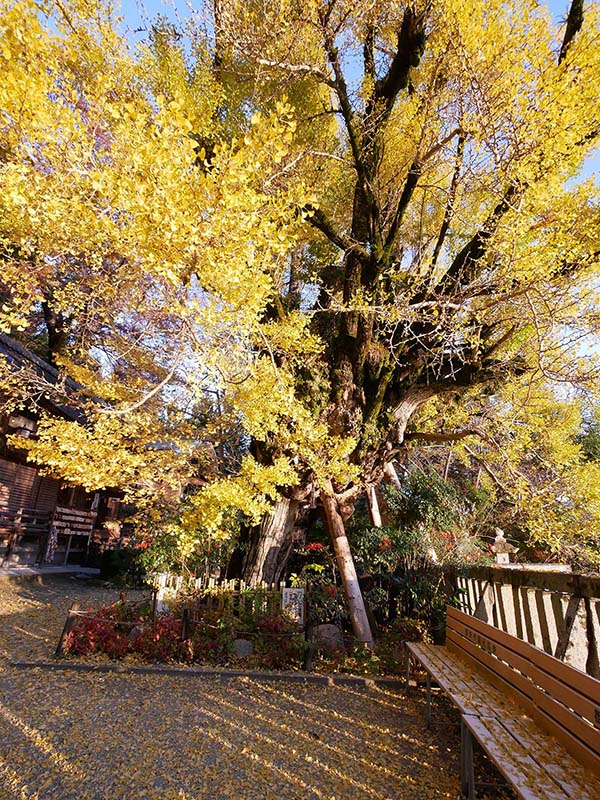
column 557, row 611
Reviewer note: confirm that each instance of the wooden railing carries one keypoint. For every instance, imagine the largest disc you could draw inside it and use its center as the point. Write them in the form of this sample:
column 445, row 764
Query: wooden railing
column 18, row 524
column 557, row 611
column 26, row 520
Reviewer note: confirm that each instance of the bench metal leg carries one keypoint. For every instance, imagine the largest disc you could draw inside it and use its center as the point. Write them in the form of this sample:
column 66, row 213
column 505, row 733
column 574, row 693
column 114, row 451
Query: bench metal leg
column 428, row 700
column 467, row 771
column 406, row 670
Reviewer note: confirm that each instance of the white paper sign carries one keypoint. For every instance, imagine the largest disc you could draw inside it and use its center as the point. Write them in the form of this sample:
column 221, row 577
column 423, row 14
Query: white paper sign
column 292, row 601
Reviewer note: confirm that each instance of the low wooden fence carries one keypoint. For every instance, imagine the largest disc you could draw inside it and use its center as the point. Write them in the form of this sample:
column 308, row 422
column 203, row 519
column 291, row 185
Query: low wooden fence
column 199, row 605
column 74, row 614
column 557, row 611
column 237, row 597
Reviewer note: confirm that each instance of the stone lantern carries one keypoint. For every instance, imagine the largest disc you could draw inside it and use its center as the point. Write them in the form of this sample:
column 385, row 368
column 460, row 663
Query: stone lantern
column 502, row 548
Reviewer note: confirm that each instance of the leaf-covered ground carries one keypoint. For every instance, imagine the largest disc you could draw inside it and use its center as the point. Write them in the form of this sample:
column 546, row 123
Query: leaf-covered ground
column 93, row 736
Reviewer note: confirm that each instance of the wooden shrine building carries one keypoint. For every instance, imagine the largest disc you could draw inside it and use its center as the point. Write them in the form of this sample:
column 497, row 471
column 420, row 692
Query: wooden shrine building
column 42, row 520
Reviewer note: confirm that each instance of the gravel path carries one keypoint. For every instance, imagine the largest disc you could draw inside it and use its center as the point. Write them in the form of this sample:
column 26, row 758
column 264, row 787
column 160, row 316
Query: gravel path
column 110, row 736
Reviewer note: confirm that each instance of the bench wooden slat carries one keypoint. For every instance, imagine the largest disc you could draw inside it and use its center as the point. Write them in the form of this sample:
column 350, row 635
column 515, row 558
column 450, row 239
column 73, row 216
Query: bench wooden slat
column 565, row 694
column 499, row 673
column 536, row 717
column 454, row 669
column 452, row 675
column 574, row 678
column 516, row 762
column 479, row 695
column 578, row 737
column 550, row 755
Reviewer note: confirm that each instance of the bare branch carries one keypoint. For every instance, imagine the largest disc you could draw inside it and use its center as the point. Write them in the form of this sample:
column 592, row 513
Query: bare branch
column 148, row 396
column 451, row 198
column 437, row 147
column 302, row 69
column 485, row 466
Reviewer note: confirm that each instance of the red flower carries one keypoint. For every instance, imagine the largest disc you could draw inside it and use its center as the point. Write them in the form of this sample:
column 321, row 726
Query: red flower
column 330, row 590
column 385, row 544
column 314, row 547
column 144, row 544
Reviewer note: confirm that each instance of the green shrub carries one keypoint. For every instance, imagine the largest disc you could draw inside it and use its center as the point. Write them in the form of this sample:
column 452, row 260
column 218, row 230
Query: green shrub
column 119, row 565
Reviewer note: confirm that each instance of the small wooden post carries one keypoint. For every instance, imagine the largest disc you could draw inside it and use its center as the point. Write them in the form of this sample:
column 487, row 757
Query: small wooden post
column 373, row 506
column 392, row 476
column 122, row 597
column 185, row 630
column 428, row 691
column 466, row 758
column 69, row 623
column 185, row 624
column 309, row 656
column 68, row 548
column 154, row 602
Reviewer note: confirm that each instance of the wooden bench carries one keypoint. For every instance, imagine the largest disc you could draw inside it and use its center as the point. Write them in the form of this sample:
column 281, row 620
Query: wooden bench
column 537, row 718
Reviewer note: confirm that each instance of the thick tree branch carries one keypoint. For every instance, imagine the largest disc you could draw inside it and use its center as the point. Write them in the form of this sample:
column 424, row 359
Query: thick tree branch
column 496, row 345
column 298, row 69
column 439, row 438
column 574, row 23
column 570, row 267
column 411, row 43
column 438, row 146
column 467, row 263
column 318, row 219
column 341, row 89
column 369, row 53
column 414, row 173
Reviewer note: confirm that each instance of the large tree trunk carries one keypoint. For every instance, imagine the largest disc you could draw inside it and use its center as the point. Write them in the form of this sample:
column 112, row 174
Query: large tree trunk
column 345, row 562
column 270, row 548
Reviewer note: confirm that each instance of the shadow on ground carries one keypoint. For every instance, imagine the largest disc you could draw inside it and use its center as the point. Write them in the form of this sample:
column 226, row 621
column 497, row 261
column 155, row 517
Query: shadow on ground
column 110, row 736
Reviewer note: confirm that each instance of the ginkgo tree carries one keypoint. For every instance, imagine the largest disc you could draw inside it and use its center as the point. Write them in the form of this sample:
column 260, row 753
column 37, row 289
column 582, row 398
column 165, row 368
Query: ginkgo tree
column 449, row 247
column 527, row 449
column 150, row 265
column 330, row 213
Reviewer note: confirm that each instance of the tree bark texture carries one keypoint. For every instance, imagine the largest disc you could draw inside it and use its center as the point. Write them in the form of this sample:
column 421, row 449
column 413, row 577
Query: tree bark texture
column 392, row 476
column 345, row 562
column 57, row 329
column 269, row 550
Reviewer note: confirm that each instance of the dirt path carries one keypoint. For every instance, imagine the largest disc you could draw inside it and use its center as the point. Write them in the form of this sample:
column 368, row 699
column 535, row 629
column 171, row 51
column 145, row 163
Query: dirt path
column 91, row 736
